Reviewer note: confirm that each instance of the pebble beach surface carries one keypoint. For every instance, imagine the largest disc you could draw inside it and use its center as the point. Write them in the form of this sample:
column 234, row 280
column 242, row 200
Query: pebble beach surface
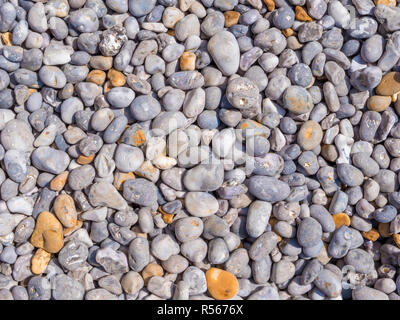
column 199, row 149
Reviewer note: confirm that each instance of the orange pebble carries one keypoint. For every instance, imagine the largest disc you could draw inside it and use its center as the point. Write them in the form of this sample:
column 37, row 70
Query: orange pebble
column 231, row 18
column 168, row 217
column 288, row 32
column 116, row 78
column 58, row 183
column 341, row 219
column 385, row 2
column 187, row 61
column 221, row 284
column 139, row 138
column 270, row 4
column 40, row 261
column 302, row 15
column 96, row 76
column 372, row 235
column 85, row 160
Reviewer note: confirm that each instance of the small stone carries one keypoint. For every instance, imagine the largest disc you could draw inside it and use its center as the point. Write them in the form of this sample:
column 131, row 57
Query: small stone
column 116, row 78
column 187, row 61
column 218, row 45
column 96, row 76
column 40, row 261
column 48, row 233
column 389, row 85
column 64, row 208
column 302, row 15
column 310, row 135
column 221, row 284
column 231, row 18
column 378, row 103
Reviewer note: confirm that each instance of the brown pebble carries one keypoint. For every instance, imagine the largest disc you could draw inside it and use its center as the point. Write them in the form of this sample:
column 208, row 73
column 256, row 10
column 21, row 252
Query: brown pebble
column 231, row 18
column 384, row 230
column 48, row 233
column 96, row 76
column 390, row 84
column 187, row 61
column 379, row 103
column 372, row 235
column 288, row 32
column 385, row 2
column 101, row 63
column 40, row 261
column 117, row 78
column 341, row 219
column 58, row 183
column 302, row 14
column 64, row 208
column 270, row 4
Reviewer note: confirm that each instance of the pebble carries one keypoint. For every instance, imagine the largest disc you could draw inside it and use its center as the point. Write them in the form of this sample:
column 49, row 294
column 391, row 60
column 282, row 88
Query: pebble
column 48, row 233
column 193, row 150
column 227, row 65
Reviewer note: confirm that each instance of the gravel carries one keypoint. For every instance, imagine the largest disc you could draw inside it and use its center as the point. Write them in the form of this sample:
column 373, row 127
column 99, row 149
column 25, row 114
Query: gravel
column 199, row 149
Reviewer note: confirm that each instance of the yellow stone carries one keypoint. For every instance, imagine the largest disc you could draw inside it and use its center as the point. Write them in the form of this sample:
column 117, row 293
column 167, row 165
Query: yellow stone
column 96, row 76
column 379, row 103
column 48, row 233
column 372, row 235
column 231, row 18
column 270, row 4
column 390, row 84
column 139, row 138
column 58, row 183
column 221, row 284
column 64, row 208
column 187, row 61
column 302, row 14
column 117, row 78
column 40, row 261
column 288, row 32
column 385, row 2
column 341, row 219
